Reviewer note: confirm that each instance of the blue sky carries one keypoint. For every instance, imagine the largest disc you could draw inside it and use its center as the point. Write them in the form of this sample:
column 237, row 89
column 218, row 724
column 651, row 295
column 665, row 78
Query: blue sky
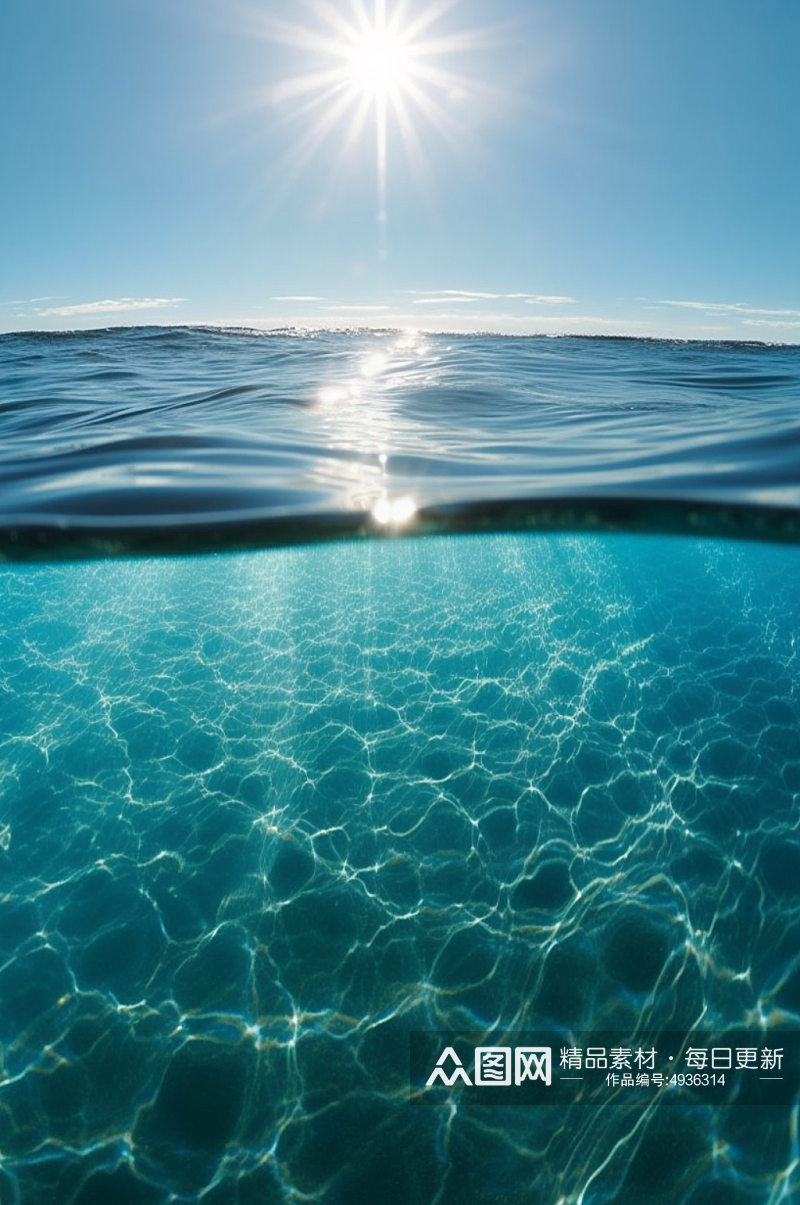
column 609, row 166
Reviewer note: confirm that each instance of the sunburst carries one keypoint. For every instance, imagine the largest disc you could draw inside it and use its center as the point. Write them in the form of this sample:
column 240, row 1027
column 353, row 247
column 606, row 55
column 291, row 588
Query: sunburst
column 376, row 64
column 380, row 61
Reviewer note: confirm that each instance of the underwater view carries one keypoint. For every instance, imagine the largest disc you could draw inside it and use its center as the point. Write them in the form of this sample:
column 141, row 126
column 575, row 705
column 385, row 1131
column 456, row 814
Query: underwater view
column 308, row 842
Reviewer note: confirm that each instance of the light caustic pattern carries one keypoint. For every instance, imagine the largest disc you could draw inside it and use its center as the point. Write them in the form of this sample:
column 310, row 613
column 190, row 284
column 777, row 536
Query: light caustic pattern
column 263, row 815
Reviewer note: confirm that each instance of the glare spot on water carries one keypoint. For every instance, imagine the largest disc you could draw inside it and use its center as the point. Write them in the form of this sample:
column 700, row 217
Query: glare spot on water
column 409, row 341
column 332, row 394
column 394, row 511
column 374, row 365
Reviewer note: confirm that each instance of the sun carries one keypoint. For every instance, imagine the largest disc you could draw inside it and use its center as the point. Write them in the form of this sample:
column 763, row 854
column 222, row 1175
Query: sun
column 380, row 63
column 377, row 72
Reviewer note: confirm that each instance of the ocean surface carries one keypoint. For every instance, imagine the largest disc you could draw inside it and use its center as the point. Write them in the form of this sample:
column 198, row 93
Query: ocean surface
column 296, row 809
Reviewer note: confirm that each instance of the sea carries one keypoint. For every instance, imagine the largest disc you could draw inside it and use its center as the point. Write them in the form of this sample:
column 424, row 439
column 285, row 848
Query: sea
column 399, row 769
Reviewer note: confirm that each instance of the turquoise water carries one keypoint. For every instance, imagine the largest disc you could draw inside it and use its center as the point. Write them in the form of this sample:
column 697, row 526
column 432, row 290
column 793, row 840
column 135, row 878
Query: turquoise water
column 283, row 823
column 264, row 815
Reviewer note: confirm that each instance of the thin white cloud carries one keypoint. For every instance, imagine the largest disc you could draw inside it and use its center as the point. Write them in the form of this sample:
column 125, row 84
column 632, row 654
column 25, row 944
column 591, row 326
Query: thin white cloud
column 465, row 294
column 119, row 306
column 732, row 308
column 32, row 300
column 445, row 299
column 431, row 296
column 455, row 293
column 297, row 297
column 550, row 299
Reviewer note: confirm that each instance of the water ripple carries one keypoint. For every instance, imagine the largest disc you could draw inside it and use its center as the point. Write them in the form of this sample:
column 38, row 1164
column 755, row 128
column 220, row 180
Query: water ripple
column 264, row 816
column 444, row 419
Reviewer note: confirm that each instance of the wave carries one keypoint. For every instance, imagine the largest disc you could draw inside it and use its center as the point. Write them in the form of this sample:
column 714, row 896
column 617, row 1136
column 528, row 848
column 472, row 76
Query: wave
column 176, row 427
